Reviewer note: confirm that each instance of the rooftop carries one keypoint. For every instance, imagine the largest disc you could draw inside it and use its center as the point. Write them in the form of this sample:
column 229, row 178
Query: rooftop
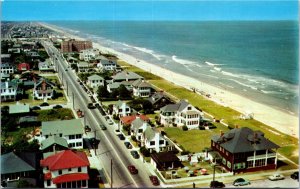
column 67, row 127
column 19, row 108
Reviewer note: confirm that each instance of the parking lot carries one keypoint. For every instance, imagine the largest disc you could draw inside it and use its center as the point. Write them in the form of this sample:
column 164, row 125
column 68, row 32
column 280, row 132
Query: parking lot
column 286, row 183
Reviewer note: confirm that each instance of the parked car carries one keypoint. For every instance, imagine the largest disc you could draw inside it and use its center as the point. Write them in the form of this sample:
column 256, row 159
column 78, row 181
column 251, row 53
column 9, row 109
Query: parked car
column 128, row 145
column 35, row 108
column 87, row 128
column 154, row 180
column 117, row 131
column 44, row 104
column 135, row 154
column 57, row 106
column 91, row 106
column 102, row 127
column 94, row 141
column 241, row 182
column 276, row 176
column 295, row 175
column 121, row 136
column 97, row 105
column 217, row 184
column 132, row 169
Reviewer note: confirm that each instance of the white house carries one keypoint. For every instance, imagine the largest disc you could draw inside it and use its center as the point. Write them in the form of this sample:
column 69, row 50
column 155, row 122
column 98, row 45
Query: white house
column 88, row 54
column 83, row 67
column 121, row 109
column 7, row 68
column 108, row 65
column 154, row 141
column 71, row 130
column 46, row 66
column 66, row 169
column 95, row 81
column 8, row 91
column 43, row 89
column 138, row 127
column 141, row 88
column 126, row 76
column 180, row 114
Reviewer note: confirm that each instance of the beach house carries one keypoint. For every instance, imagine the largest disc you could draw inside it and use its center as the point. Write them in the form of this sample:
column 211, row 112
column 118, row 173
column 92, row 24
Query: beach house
column 46, row 66
column 243, row 150
column 71, row 130
column 88, row 54
column 8, row 91
column 141, row 88
column 159, row 100
column 43, row 89
column 181, row 113
column 95, row 81
column 154, row 141
column 108, row 65
column 126, row 76
column 66, row 169
column 138, row 127
column 7, row 68
column 121, row 109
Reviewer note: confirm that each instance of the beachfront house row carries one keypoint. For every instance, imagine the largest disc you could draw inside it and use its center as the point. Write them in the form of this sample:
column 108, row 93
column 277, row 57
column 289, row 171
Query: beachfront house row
column 66, row 169
column 141, row 88
column 121, row 109
column 126, row 76
column 95, row 81
column 7, row 68
column 244, row 150
column 8, row 91
column 71, row 130
column 108, row 65
column 43, row 89
column 180, row 114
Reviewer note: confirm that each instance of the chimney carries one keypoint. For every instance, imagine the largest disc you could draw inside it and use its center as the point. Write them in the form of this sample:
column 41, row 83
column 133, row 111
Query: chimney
column 236, row 126
column 54, row 149
column 221, row 133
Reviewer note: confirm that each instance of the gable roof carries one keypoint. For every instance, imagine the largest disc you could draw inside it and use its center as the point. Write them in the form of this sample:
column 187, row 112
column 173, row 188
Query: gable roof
column 41, row 80
column 54, row 140
column 120, row 103
column 129, row 119
column 140, row 83
column 126, row 75
column 164, row 157
column 137, row 123
column 19, row 108
column 175, row 107
column 149, row 133
column 95, row 77
column 11, row 163
column 65, row 159
column 243, row 140
column 67, row 127
column 70, row 177
column 157, row 96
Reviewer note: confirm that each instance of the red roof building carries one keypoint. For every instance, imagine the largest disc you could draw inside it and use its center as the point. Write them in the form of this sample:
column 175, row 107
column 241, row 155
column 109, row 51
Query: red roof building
column 23, row 67
column 66, row 169
column 127, row 120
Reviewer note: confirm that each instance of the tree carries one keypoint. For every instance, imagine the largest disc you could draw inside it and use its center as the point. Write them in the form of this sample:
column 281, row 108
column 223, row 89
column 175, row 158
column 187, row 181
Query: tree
column 102, row 92
column 23, row 184
column 145, row 151
column 147, row 106
column 185, row 128
column 123, row 92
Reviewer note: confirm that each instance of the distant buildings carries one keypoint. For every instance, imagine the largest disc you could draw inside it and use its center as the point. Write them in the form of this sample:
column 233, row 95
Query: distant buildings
column 243, row 150
column 77, row 46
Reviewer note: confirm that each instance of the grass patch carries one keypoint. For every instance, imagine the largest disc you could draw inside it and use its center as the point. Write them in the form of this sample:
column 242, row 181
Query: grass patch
column 19, row 133
column 55, row 114
column 291, row 151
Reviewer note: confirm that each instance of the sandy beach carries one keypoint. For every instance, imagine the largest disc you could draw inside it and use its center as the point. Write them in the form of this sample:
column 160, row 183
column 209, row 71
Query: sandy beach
column 282, row 121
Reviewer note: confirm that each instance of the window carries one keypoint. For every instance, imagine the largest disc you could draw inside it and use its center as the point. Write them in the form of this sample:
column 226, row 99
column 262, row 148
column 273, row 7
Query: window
column 79, row 169
column 189, row 108
column 152, row 143
column 229, row 164
column 58, row 185
column 78, row 144
column 48, row 182
column 71, row 145
column 70, row 169
column 78, row 136
column 161, row 142
column 71, row 137
column 60, row 134
column 46, row 136
column 224, row 161
column 140, row 131
column 84, row 183
column 59, row 172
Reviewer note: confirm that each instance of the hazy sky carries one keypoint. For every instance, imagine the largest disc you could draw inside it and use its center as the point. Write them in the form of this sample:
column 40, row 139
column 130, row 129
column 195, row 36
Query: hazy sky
column 149, row 10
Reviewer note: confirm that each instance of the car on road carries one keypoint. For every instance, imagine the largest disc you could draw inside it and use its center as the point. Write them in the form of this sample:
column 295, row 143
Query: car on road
column 44, row 104
column 241, row 182
column 132, row 169
column 97, row 105
column 135, row 154
column 87, row 128
column 35, row 108
column 128, row 145
column 154, row 180
column 295, row 175
column 57, row 106
column 66, row 69
column 117, row 131
column 217, row 184
column 276, row 176
column 91, row 106
column 102, row 127
column 121, row 136
column 109, row 121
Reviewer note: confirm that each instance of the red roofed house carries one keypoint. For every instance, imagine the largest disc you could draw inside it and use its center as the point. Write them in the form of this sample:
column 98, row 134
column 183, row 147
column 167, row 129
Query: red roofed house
column 66, row 169
column 23, row 67
column 127, row 120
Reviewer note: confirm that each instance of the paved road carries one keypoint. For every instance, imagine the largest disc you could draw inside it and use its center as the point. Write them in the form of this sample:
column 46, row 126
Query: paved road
column 286, row 183
column 110, row 147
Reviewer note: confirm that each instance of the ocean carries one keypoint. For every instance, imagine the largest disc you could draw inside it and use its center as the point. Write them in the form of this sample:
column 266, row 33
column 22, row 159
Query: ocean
column 255, row 59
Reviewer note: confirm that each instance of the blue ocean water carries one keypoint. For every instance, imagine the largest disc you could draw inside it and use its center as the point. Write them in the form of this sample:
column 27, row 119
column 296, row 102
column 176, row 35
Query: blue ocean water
column 257, row 59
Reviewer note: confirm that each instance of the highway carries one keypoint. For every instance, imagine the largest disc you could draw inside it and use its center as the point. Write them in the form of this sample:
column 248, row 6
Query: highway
column 110, row 146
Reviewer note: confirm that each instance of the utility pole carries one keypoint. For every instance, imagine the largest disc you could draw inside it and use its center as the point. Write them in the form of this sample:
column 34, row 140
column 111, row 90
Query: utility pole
column 111, row 175
column 73, row 100
column 67, row 88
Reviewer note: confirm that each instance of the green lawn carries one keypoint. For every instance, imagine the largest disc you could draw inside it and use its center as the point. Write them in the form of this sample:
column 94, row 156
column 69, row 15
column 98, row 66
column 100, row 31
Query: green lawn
column 201, row 138
column 55, row 114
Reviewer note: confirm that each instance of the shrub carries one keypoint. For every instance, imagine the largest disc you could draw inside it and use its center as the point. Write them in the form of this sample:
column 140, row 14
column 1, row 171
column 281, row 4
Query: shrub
column 185, row 152
column 145, row 151
column 185, row 128
column 201, row 128
column 174, row 125
column 133, row 138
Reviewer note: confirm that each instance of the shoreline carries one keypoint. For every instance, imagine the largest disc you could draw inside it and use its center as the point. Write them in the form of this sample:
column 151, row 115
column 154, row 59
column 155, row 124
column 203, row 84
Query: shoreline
column 279, row 120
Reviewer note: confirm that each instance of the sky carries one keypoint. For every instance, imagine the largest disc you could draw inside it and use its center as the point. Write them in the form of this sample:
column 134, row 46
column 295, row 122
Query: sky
column 46, row 10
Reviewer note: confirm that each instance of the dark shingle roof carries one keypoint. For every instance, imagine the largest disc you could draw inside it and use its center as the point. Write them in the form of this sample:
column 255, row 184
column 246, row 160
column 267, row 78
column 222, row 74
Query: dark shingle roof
column 175, row 107
column 243, row 140
column 156, row 97
column 11, row 163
